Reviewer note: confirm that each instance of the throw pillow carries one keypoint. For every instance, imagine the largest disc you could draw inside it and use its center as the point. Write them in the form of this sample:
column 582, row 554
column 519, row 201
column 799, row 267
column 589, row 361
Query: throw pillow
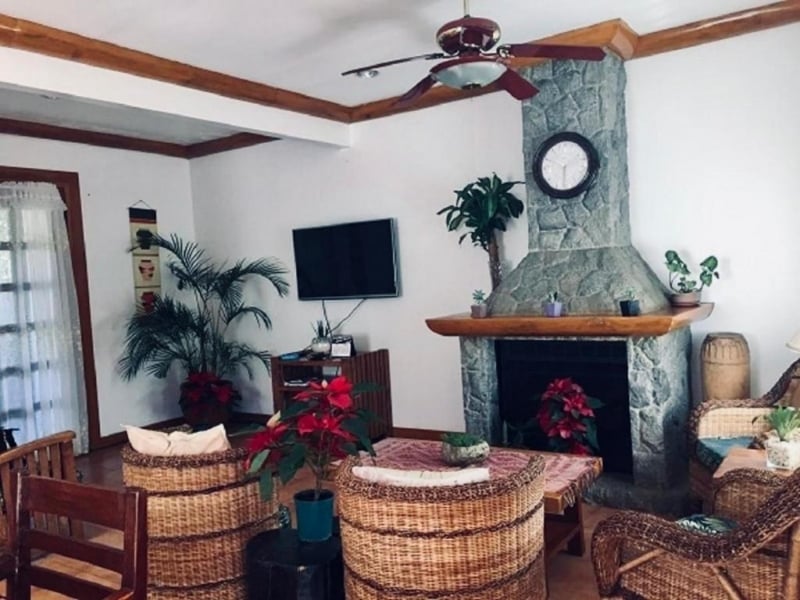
column 177, row 443
column 404, row 478
column 707, row 524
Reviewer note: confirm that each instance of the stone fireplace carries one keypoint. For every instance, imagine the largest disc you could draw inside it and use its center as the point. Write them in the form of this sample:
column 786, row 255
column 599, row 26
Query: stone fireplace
column 581, row 248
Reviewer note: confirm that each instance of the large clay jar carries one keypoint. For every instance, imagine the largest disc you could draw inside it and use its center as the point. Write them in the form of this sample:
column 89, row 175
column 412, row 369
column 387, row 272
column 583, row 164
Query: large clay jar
column 725, row 365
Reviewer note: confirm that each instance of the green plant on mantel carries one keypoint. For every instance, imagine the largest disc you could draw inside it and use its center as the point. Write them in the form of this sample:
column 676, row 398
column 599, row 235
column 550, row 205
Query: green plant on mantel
column 484, row 206
column 478, row 297
column 679, row 273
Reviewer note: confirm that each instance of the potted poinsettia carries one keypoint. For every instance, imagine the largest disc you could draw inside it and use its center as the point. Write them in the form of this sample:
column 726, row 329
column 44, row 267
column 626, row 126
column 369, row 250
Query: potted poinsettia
column 566, row 414
column 321, row 426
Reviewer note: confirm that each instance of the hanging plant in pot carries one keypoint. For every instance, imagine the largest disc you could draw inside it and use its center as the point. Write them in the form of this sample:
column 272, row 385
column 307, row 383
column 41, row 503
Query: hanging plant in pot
column 195, row 334
column 484, row 206
column 687, row 289
column 320, row 427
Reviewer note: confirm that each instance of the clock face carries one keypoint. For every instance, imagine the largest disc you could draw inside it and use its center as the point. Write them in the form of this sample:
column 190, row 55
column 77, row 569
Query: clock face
column 565, row 165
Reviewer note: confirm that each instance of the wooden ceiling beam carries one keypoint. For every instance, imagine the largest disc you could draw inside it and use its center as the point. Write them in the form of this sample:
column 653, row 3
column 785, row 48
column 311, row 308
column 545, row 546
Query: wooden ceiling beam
column 34, row 37
column 92, row 138
column 124, row 142
column 718, row 28
column 614, row 35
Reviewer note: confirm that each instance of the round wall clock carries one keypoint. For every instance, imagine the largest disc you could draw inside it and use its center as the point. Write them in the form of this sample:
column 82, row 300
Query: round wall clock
column 565, row 165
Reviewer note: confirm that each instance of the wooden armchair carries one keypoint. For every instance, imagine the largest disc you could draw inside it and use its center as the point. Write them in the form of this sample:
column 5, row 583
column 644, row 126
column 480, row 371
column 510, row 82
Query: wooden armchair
column 124, row 510
column 648, row 558
column 731, row 422
column 50, row 456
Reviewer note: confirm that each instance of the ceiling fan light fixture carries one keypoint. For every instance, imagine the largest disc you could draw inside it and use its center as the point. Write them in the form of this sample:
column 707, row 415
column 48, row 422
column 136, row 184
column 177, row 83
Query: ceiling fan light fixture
column 470, row 75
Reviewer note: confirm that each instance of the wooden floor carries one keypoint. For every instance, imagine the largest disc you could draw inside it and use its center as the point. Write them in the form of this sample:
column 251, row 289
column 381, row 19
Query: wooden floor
column 570, row 577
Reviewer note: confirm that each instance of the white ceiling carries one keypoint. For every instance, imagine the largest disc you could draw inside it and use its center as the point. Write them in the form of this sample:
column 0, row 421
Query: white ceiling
column 303, row 45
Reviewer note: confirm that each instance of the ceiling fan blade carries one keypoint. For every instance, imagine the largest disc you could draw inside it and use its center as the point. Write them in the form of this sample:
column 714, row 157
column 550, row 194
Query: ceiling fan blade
column 397, row 61
column 516, row 85
column 553, row 51
column 415, row 92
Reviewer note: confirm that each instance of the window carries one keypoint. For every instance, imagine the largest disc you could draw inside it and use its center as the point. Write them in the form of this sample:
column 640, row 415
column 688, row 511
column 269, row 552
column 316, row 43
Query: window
column 41, row 374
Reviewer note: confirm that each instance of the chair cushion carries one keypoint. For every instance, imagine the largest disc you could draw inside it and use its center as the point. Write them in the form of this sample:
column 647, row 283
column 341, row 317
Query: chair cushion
column 177, row 443
column 712, row 451
column 409, row 478
column 708, row 524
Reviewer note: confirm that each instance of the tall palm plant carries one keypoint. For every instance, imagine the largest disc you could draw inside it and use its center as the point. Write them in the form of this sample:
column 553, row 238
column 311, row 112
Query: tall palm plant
column 195, row 335
column 484, row 206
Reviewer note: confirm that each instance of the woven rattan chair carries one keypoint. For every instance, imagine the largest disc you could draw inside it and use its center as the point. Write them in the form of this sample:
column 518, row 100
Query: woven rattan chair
column 480, row 541
column 643, row 557
column 730, row 419
column 201, row 511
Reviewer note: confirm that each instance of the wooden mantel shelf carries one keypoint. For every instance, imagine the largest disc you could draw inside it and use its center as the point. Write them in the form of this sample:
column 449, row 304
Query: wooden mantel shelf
column 651, row 324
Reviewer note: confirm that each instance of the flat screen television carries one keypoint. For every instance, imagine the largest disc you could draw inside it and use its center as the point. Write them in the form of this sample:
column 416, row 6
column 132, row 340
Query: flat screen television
column 350, row 260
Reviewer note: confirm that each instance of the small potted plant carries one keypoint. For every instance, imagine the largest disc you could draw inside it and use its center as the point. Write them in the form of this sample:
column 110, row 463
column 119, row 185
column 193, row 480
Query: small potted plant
column 479, row 309
column 321, row 344
column 552, row 307
column 629, row 305
column 462, row 449
column 687, row 289
column 783, row 441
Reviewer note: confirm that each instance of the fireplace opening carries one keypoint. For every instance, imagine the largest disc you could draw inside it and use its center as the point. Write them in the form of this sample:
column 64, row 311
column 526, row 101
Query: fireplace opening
column 525, row 367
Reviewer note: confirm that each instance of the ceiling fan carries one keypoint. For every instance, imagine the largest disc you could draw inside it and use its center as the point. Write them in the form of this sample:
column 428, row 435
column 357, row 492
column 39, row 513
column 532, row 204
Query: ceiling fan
column 466, row 43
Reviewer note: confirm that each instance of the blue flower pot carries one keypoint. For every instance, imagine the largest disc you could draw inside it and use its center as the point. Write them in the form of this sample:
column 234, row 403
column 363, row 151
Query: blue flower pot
column 314, row 517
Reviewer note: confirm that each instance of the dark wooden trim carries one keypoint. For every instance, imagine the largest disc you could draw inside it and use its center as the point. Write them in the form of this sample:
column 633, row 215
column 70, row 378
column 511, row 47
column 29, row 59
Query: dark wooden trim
column 232, row 142
column 67, row 184
column 34, row 37
column 121, row 437
column 417, row 434
column 718, row 28
column 92, row 138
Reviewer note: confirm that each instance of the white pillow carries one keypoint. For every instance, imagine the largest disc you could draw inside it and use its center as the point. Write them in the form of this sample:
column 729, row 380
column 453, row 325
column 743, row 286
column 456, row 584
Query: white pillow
column 177, row 443
column 404, row 478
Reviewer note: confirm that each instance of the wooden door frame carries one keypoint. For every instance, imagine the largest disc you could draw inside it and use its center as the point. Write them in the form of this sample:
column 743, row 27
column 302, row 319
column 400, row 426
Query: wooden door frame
column 67, row 184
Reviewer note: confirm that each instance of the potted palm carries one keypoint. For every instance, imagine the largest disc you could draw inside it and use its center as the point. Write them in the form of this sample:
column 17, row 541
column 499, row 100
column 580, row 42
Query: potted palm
column 687, row 289
column 484, row 206
column 195, row 335
column 552, row 306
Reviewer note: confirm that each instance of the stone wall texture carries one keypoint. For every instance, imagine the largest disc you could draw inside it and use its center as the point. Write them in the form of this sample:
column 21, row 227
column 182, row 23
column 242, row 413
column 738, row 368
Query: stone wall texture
column 579, row 247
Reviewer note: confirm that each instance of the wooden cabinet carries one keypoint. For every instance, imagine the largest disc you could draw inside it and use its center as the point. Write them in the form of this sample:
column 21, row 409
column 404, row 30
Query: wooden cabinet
column 292, row 376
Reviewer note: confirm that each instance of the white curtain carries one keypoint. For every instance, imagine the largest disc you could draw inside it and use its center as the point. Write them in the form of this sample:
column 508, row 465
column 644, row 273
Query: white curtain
column 41, row 364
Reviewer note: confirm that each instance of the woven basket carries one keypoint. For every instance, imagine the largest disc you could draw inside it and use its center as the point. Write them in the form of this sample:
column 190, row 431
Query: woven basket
column 201, row 510
column 481, row 541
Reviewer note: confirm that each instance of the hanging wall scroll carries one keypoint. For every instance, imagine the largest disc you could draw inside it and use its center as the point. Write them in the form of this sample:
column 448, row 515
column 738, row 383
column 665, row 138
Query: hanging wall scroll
column 146, row 266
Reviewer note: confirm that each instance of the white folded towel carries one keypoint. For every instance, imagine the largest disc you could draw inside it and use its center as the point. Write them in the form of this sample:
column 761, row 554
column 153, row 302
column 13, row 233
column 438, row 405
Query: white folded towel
column 404, row 478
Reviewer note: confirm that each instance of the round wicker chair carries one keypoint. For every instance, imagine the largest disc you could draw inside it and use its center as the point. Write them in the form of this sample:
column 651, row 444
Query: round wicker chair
column 201, row 510
column 480, row 541
column 644, row 557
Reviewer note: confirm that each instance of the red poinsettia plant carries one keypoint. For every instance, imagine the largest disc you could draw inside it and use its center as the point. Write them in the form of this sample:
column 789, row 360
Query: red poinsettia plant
column 321, row 426
column 566, row 415
column 203, row 392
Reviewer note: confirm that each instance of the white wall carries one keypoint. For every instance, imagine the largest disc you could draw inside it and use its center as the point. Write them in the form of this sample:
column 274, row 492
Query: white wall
column 406, row 167
column 110, row 181
column 714, row 154
column 713, row 147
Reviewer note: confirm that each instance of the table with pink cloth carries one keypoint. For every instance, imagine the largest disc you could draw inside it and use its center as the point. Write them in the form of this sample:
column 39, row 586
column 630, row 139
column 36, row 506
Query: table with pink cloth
column 566, row 475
